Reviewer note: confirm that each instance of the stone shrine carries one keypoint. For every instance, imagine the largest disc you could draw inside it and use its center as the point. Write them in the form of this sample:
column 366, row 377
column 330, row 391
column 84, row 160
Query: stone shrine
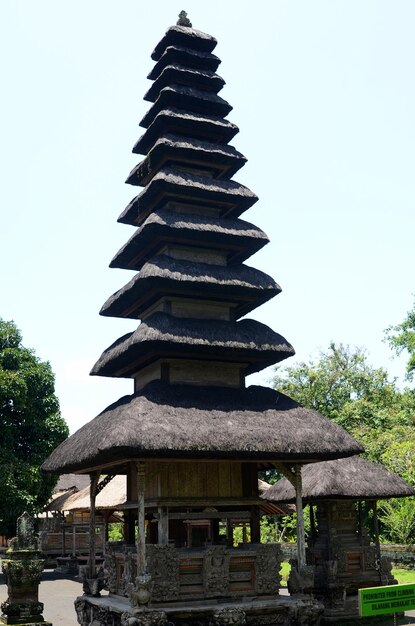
column 23, row 571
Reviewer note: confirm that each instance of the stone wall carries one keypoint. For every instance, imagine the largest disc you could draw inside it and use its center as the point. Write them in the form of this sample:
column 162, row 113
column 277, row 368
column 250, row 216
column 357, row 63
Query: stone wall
column 401, row 555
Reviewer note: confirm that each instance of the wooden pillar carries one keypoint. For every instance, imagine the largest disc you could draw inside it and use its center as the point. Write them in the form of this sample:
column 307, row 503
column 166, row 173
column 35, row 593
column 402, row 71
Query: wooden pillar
column 300, row 517
column 255, row 525
column 376, row 529
column 92, row 496
column 312, row 522
column 163, row 526
column 229, row 533
column 141, row 534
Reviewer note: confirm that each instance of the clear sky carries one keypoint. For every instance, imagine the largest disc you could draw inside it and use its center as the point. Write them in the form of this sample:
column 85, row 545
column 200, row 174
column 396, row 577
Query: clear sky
column 324, row 95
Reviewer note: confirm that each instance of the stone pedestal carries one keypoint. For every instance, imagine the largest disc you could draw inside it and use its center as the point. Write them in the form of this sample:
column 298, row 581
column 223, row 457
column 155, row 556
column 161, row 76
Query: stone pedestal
column 23, row 570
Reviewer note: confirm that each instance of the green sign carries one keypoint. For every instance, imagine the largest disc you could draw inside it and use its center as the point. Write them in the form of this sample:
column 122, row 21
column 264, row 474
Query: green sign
column 384, row 600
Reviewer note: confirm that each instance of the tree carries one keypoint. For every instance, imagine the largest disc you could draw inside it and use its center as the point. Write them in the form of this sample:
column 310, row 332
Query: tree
column 342, row 386
column 31, row 427
column 402, row 337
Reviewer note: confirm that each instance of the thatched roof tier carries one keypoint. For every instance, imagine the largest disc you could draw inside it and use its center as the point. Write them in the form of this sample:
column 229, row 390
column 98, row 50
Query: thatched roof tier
column 187, row 99
column 163, row 275
column 226, row 196
column 173, row 121
column 221, row 161
column 186, row 76
column 185, row 422
column 179, row 55
column 162, row 335
column 71, row 482
column 353, row 479
column 184, row 36
column 60, row 498
column 111, row 497
column 237, row 238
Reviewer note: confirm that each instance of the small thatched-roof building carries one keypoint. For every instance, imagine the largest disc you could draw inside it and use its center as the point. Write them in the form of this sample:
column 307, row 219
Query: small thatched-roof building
column 351, row 478
column 339, row 546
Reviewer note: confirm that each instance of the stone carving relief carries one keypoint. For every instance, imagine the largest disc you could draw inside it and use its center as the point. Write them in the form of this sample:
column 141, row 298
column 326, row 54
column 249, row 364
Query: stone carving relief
column 306, row 612
column 144, row 618
column 163, row 566
column 267, row 568
column 216, row 571
column 129, row 570
column 269, row 619
column 111, row 567
column 369, row 557
column 339, row 554
column 82, row 612
column 300, row 581
column 229, row 617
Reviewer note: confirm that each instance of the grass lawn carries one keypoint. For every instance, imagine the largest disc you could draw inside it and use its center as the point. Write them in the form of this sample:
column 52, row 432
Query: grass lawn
column 403, row 576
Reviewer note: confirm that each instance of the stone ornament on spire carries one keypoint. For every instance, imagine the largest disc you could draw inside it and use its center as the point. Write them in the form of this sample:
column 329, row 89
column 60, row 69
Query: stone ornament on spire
column 183, row 20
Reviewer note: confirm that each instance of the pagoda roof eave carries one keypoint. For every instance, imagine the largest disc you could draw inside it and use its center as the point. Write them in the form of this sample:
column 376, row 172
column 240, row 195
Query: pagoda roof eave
column 175, row 74
column 162, row 336
column 184, row 36
column 188, row 99
column 221, row 160
column 171, row 120
column 245, row 286
column 180, row 421
column 226, row 196
column 239, row 239
column 187, row 57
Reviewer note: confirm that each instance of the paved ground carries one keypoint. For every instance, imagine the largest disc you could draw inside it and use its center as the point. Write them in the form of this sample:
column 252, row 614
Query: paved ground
column 58, row 593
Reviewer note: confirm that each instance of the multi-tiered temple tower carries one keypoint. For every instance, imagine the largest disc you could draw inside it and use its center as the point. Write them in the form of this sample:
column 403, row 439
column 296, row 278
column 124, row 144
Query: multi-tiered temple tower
column 191, row 437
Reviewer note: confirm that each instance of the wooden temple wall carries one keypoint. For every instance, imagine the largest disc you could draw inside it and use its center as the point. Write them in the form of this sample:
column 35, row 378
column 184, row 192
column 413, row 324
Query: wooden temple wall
column 199, row 480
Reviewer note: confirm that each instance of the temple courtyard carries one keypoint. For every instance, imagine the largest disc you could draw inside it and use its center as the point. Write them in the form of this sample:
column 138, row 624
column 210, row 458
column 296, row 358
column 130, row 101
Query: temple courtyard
column 58, row 592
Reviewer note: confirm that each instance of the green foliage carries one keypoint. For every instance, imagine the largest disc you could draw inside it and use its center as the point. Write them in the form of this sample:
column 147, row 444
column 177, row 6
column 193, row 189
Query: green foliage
column 285, row 572
column 402, row 337
column 115, row 531
column 342, row 386
column 397, row 519
column 31, row 427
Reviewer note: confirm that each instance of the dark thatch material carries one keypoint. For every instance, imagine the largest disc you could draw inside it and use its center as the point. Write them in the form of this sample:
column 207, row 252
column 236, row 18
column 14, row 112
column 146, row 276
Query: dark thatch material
column 60, row 499
column 352, row 479
column 72, row 482
column 220, row 160
column 162, row 335
column 173, row 121
column 184, row 56
column 163, row 275
column 181, row 421
column 230, row 197
column 184, row 36
column 188, row 99
column 187, row 76
column 239, row 239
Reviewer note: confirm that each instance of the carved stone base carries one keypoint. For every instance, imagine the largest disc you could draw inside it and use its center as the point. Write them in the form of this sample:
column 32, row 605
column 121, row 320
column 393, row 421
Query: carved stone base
column 24, row 612
column 229, row 617
column 280, row 611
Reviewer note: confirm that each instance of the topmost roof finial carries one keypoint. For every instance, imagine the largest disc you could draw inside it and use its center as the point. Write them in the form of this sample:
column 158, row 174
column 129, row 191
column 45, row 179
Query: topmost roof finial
column 184, row 20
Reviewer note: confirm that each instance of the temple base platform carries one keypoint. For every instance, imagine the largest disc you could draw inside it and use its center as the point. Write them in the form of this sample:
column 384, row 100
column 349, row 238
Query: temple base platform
column 115, row 610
